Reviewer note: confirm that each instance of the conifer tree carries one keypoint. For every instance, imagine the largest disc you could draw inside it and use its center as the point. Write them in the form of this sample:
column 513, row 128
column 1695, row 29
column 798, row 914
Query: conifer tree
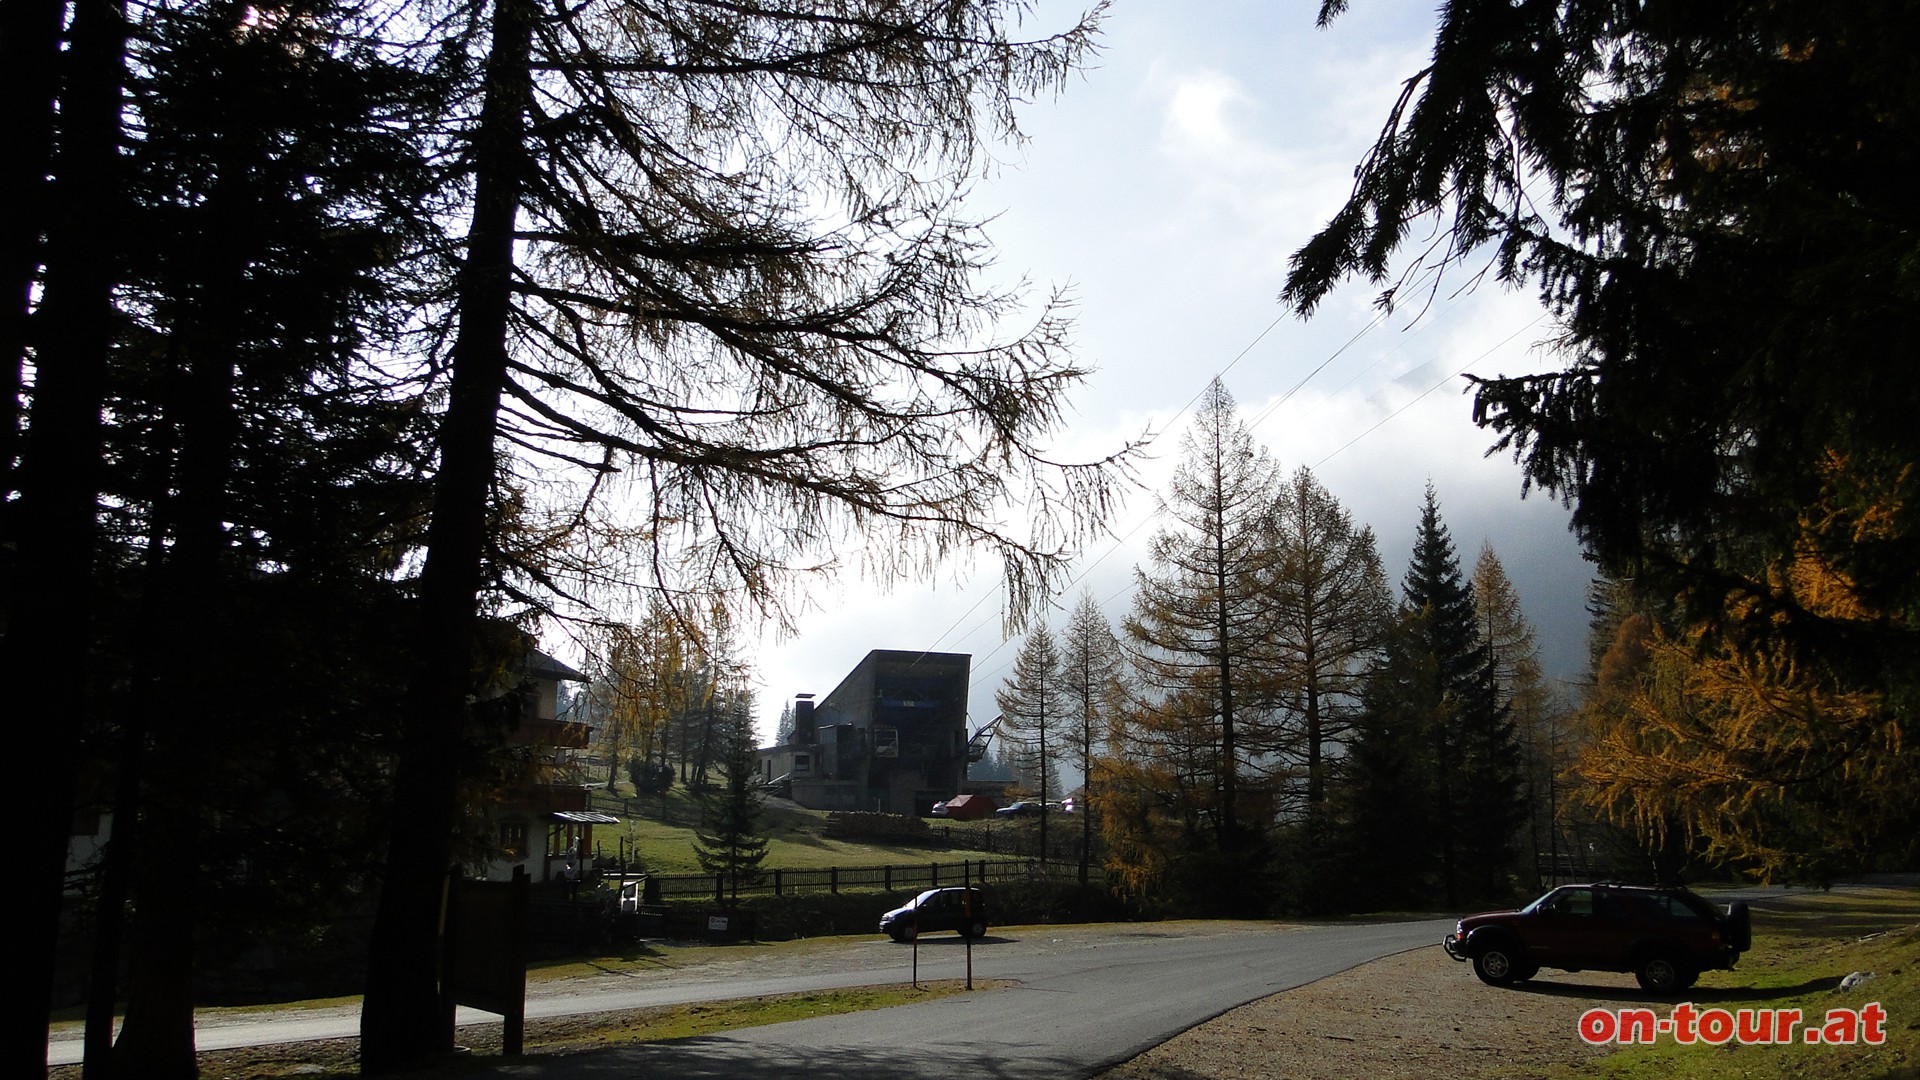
column 1332, row 606
column 1473, row 803
column 1521, row 687
column 1092, row 673
column 714, row 251
column 1034, row 705
column 1713, row 201
column 1386, row 782
column 715, row 248
column 1203, row 620
column 729, row 843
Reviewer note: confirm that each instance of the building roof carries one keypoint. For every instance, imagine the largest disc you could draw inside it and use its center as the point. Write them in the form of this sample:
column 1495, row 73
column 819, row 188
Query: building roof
column 540, row 665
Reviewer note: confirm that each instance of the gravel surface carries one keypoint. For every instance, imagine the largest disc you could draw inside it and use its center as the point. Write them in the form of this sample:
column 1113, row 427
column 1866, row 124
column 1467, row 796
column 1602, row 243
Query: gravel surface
column 1414, row 1016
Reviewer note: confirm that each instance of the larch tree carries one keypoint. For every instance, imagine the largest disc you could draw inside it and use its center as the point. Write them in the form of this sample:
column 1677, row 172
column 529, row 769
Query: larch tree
column 1521, row 686
column 1201, row 631
column 1761, row 757
column 715, row 252
column 1035, row 719
column 1332, row 605
column 1092, row 681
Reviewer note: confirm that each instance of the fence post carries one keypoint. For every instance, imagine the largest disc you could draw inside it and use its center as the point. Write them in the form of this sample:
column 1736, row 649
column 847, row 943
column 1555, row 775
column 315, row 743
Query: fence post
column 935, row 872
column 833, row 880
column 886, row 876
column 776, row 883
column 719, row 889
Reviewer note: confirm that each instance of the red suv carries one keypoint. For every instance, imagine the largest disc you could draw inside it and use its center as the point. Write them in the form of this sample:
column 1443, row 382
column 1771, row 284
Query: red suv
column 1664, row 934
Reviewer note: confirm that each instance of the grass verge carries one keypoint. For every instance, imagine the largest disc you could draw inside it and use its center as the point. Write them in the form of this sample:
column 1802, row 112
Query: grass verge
column 337, row 1059
column 1804, row 945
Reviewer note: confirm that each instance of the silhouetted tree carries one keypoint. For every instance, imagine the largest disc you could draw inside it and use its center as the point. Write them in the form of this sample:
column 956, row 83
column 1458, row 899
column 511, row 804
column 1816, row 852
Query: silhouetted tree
column 1713, row 202
column 718, row 251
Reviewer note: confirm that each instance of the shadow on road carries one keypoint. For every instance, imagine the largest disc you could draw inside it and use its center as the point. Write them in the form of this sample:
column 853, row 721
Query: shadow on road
column 720, row 1058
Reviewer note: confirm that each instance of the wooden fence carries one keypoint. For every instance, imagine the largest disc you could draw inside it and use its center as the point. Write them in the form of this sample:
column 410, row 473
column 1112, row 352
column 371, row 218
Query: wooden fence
column 862, row 878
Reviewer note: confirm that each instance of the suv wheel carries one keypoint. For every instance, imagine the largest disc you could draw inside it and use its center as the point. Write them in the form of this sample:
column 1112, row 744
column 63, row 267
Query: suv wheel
column 1499, row 964
column 976, row 929
column 1663, row 972
column 1739, row 926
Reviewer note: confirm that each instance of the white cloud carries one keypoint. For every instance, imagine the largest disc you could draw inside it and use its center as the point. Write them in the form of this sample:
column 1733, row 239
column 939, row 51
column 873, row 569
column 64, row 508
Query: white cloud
column 1170, row 186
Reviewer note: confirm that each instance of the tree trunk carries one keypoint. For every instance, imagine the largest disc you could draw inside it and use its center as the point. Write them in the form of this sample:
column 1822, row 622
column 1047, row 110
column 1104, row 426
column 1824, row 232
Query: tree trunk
column 403, row 1018
column 29, row 89
column 58, row 482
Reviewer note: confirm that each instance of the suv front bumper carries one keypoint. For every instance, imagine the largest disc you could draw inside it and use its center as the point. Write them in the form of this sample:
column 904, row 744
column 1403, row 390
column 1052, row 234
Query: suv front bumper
column 1455, row 947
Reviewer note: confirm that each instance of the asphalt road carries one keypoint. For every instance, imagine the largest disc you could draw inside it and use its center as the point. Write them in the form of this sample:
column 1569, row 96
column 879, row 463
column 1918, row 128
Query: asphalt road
column 1081, row 1005
column 1086, row 998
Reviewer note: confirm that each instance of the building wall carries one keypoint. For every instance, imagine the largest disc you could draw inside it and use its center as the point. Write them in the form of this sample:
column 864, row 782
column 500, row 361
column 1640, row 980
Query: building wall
column 891, row 737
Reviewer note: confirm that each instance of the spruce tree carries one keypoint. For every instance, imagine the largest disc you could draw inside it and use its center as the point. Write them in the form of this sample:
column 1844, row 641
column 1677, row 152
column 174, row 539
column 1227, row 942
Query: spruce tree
column 1714, row 202
column 1474, row 800
column 1384, row 788
column 729, row 843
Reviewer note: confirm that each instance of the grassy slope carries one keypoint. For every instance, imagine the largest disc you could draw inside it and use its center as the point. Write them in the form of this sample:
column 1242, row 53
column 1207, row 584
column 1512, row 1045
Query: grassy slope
column 1803, row 946
column 661, row 828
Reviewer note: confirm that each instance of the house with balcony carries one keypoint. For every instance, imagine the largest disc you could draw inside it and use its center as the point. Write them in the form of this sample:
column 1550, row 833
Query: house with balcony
column 538, row 817
column 892, row 737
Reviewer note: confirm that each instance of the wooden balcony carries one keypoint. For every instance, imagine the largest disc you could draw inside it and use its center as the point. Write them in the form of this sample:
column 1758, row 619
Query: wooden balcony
column 563, row 734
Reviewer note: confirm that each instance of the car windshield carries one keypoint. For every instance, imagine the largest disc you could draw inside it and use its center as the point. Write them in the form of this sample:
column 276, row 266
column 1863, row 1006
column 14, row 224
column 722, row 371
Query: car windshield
column 1538, row 904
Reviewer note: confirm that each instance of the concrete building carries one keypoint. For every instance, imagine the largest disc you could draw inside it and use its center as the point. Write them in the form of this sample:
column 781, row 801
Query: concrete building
column 892, row 737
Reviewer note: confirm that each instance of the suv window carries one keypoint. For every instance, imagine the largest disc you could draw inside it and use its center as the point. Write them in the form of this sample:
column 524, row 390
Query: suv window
column 1574, row 902
column 1676, row 906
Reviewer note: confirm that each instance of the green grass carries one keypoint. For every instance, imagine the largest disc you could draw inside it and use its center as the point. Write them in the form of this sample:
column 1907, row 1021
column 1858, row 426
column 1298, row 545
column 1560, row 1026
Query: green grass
column 645, row 957
column 1803, row 946
column 687, row 1021
column 660, row 829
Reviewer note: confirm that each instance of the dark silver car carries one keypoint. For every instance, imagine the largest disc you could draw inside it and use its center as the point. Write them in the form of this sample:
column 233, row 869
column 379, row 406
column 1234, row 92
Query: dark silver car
column 963, row 910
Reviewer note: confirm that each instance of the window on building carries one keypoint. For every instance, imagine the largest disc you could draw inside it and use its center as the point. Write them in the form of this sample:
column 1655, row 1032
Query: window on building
column 513, row 839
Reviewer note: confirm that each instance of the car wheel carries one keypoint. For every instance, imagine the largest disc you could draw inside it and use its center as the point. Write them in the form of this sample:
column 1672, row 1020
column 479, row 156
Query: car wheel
column 1663, row 973
column 1739, row 926
column 1499, row 964
column 975, row 929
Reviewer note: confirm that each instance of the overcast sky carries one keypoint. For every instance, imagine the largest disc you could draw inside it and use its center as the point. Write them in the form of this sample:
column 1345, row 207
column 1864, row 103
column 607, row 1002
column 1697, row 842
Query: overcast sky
column 1167, row 188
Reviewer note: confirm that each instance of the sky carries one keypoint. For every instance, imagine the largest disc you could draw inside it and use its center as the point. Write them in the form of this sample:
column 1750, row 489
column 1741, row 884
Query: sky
column 1166, row 187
